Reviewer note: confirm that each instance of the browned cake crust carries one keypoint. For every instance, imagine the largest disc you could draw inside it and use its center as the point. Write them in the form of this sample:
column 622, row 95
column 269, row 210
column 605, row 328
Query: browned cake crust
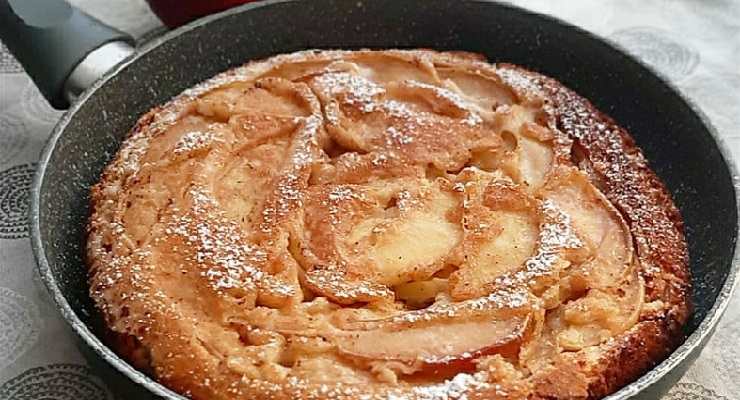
column 218, row 240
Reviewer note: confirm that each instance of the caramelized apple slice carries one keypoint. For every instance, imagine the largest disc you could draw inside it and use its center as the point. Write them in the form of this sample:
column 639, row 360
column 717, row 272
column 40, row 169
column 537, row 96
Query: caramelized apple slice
column 386, row 68
column 431, row 347
column 485, row 90
column 597, row 223
column 266, row 96
column 413, row 243
column 434, row 99
column 529, row 156
column 500, row 232
column 266, row 143
column 535, row 159
column 442, row 335
column 383, row 233
column 344, row 289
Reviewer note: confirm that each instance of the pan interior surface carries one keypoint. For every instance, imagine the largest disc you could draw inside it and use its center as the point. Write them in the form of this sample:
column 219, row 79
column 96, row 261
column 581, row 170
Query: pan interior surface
column 676, row 141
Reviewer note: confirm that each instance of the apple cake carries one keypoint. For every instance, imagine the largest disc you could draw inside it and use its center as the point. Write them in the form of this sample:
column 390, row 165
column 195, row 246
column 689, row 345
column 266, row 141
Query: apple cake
column 386, row 225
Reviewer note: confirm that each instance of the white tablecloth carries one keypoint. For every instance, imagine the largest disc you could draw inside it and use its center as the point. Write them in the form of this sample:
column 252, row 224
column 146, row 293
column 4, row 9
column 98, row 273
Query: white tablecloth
column 695, row 43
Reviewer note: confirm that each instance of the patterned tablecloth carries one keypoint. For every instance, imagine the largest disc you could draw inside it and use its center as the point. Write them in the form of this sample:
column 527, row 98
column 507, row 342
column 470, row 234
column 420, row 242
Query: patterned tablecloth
column 696, row 44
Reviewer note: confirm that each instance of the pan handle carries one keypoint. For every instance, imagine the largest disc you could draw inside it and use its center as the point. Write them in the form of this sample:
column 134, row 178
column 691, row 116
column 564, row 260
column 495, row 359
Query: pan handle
column 61, row 48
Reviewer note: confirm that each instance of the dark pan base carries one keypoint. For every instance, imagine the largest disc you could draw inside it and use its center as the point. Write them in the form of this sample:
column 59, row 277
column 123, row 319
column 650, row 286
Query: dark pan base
column 680, row 145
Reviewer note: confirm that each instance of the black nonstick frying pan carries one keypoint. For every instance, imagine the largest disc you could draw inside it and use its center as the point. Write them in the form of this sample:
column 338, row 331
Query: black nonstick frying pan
column 51, row 39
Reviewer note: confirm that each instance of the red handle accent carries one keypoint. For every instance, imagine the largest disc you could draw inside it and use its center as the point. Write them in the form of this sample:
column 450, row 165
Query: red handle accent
column 178, row 12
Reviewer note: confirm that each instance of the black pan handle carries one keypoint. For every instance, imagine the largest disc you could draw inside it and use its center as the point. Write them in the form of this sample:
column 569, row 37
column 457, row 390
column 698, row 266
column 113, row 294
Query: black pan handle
column 50, row 38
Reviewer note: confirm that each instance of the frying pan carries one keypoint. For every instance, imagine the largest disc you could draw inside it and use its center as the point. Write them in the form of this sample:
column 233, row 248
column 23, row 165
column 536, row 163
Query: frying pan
column 677, row 139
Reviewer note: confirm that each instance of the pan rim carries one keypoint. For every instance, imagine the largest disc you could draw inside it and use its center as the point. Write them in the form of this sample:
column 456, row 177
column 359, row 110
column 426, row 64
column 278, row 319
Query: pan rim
column 693, row 343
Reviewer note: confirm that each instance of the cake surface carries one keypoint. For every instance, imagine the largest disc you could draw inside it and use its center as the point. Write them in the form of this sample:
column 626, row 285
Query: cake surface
column 386, row 224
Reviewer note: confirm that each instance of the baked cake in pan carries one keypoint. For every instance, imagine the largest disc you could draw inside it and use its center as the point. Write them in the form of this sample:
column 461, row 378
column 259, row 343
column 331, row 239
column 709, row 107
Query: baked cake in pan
column 386, row 225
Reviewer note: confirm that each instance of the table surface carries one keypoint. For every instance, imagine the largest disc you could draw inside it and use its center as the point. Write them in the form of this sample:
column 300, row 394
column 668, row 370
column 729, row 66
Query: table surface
column 696, row 44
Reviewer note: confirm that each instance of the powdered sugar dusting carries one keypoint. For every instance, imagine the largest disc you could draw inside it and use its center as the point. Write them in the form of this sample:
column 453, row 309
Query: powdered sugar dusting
column 333, row 280
column 502, row 298
column 456, row 388
column 471, row 118
column 193, row 141
column 337, row 196
column 352, row 89
column 524, row 85
column 228, row 261
column 395, row 136
column 556, row 235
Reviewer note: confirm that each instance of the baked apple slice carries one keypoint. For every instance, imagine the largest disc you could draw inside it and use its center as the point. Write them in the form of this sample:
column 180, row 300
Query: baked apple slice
column 273, row 96
column 442, row 336
column 500, row 232
column 455, row 344
column 483, row 89
column 385, row 232
column 412, row 238
column 597, row 223
column 528, row 154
